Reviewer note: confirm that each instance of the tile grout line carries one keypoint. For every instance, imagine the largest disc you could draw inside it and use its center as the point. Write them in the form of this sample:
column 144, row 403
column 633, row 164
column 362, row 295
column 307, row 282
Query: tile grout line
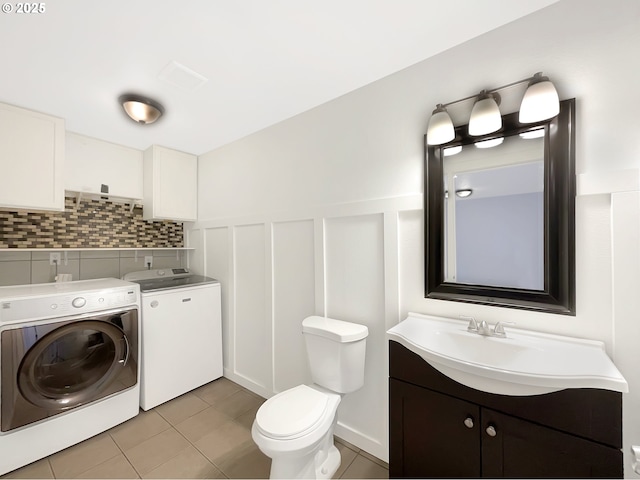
column 124, row 454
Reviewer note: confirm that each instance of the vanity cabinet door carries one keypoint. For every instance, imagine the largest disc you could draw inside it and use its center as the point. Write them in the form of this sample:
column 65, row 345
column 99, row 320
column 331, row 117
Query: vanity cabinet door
column 517, row 448
column 432, row 435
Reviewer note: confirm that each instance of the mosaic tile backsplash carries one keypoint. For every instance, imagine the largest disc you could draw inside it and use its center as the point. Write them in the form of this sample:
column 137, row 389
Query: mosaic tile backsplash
column 91, row 224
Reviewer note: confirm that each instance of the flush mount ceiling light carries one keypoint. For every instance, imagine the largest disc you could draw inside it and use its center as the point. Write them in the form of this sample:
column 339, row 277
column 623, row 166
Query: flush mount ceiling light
column 540, row 102
column 464, row 192
column 141, row 109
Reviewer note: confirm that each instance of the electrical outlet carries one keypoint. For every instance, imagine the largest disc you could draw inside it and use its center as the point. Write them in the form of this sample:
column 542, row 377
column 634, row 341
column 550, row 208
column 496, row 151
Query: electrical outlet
column 54, row 258
column 148, row 261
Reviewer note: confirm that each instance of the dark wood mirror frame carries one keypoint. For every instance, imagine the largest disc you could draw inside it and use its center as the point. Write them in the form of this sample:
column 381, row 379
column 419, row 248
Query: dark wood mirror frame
column 558, row 295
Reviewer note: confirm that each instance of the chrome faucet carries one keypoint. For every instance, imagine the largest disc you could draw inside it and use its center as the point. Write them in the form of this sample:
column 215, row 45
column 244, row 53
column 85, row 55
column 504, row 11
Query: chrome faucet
column 484, row 329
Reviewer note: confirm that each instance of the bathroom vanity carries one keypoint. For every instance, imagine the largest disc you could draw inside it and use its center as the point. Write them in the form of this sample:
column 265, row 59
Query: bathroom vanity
column 439, row 427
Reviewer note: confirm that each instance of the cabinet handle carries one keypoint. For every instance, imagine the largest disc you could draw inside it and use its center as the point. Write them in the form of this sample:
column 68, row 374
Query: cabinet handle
column 468, row 422
column 491, row 431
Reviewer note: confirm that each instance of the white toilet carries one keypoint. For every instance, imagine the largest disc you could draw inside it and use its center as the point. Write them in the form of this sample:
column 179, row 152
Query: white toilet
column 295, row 427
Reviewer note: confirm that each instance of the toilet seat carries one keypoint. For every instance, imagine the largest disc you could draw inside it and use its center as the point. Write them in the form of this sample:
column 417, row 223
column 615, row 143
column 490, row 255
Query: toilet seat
column 292, row 413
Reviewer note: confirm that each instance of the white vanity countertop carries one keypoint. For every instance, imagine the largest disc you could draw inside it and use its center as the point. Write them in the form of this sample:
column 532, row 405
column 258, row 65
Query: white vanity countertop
column 523, row 363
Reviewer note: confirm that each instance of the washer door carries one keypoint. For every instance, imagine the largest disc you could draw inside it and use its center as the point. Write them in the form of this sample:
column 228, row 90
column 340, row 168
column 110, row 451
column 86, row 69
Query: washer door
column 72, row 364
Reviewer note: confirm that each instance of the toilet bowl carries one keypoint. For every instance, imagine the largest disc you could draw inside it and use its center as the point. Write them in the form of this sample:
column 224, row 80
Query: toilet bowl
column 295, row 427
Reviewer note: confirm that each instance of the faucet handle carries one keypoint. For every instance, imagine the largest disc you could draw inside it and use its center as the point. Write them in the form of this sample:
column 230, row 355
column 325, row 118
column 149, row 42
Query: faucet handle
column 473, row 325
column 498, row 330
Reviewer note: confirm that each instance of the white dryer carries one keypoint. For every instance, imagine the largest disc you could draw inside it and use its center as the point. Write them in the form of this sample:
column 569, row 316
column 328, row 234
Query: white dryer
column 181, row 333
column 69, row 365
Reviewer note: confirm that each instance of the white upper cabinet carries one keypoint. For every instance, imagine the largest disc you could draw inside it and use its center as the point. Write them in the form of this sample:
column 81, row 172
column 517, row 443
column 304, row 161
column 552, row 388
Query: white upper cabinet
column 31, row 160
column 92, row 164
column 170, row 185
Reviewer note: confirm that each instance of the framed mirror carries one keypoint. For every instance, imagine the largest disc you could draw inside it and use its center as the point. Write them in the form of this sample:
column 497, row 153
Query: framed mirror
column 499, row 216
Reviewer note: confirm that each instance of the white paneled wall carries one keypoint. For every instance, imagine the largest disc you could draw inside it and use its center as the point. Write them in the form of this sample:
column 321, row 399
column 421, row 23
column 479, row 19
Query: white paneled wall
column 340, row 261
column 293, row 289
column 251, row 323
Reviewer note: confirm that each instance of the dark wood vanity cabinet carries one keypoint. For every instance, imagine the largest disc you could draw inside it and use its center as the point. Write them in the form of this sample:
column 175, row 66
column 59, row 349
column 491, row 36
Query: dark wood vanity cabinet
column 440, row 428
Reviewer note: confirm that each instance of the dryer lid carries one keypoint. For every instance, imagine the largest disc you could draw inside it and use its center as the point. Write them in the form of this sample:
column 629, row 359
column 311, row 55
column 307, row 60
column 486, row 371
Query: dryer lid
column 292, row 413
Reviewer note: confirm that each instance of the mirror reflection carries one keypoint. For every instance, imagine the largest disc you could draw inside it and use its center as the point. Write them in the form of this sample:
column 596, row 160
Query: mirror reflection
column 494, row 220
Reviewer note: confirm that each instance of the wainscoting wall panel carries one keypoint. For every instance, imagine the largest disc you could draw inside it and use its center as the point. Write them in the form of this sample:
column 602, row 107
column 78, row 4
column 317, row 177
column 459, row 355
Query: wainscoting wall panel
column 354, row 249
column 252, row 327
column 293, row 300
column 338, row 261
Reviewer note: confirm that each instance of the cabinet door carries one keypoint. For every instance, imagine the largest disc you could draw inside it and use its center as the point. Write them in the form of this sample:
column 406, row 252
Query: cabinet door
column 170, row 185
column 429, row 436
column 90, row 163
column 524, row 449
column 31, row 158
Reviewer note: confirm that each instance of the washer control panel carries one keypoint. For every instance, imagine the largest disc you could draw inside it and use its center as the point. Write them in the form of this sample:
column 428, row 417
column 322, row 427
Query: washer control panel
column 68, row 303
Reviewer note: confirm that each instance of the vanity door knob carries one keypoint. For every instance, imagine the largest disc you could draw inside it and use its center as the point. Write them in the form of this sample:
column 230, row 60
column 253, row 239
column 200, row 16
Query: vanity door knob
column 491, row 431
column 468, row 422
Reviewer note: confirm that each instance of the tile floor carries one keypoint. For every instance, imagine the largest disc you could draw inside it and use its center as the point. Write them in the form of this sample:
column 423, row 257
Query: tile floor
column 205, row 433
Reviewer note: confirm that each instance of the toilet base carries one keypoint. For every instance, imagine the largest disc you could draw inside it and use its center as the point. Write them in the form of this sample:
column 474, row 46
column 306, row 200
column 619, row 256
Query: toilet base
column 322, row 463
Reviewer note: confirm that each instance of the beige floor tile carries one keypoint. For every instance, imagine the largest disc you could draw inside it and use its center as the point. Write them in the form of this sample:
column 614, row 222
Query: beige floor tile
column 217, row 390
column 181, row 408
column 201, row 424
column 238, row 403
column 39, row 469
column 116, row 467
column 224, row 441
column 362, row 467
column 140, row 428
column 247, row 418
column 189, row 463
column 155, row 451
column 246, row 462
column 347, row 456
column 78, row 459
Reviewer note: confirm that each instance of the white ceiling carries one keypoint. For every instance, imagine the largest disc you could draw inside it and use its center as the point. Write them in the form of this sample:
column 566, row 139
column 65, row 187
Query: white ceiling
column 265, row 60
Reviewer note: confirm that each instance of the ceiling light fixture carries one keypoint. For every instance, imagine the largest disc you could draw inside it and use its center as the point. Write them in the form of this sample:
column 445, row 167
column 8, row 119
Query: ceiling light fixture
column 464, row 192
column 540, row 102
column 141, row 109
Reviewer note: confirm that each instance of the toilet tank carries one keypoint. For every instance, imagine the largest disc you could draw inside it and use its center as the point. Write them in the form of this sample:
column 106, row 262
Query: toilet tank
column 336, row 351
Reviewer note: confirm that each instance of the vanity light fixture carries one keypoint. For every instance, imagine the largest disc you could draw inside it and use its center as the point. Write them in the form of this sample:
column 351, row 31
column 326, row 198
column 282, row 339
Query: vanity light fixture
column 447, row 152
column 464, row 192
column 531, row 134
column 540, row 102
column 440, row 129
column 485, row 115
column 494, row 142
column 141, row 109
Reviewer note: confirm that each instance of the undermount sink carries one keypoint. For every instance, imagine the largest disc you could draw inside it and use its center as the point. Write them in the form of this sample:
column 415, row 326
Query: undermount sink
column 523, row 363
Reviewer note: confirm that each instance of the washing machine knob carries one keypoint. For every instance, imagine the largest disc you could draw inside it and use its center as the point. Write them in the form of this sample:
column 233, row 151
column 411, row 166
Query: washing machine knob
column 79, row 302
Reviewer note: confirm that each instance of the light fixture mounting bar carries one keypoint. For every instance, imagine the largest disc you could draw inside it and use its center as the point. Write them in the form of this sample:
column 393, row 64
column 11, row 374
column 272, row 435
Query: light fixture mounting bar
column 492, row 90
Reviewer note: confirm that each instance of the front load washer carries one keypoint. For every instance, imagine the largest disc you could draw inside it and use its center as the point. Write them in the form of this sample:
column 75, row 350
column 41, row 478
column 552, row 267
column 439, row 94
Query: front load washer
column 181, row 333
column 69, row 364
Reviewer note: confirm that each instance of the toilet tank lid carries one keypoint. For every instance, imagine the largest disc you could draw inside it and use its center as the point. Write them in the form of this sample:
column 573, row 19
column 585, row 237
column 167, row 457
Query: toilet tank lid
column 336, row 330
